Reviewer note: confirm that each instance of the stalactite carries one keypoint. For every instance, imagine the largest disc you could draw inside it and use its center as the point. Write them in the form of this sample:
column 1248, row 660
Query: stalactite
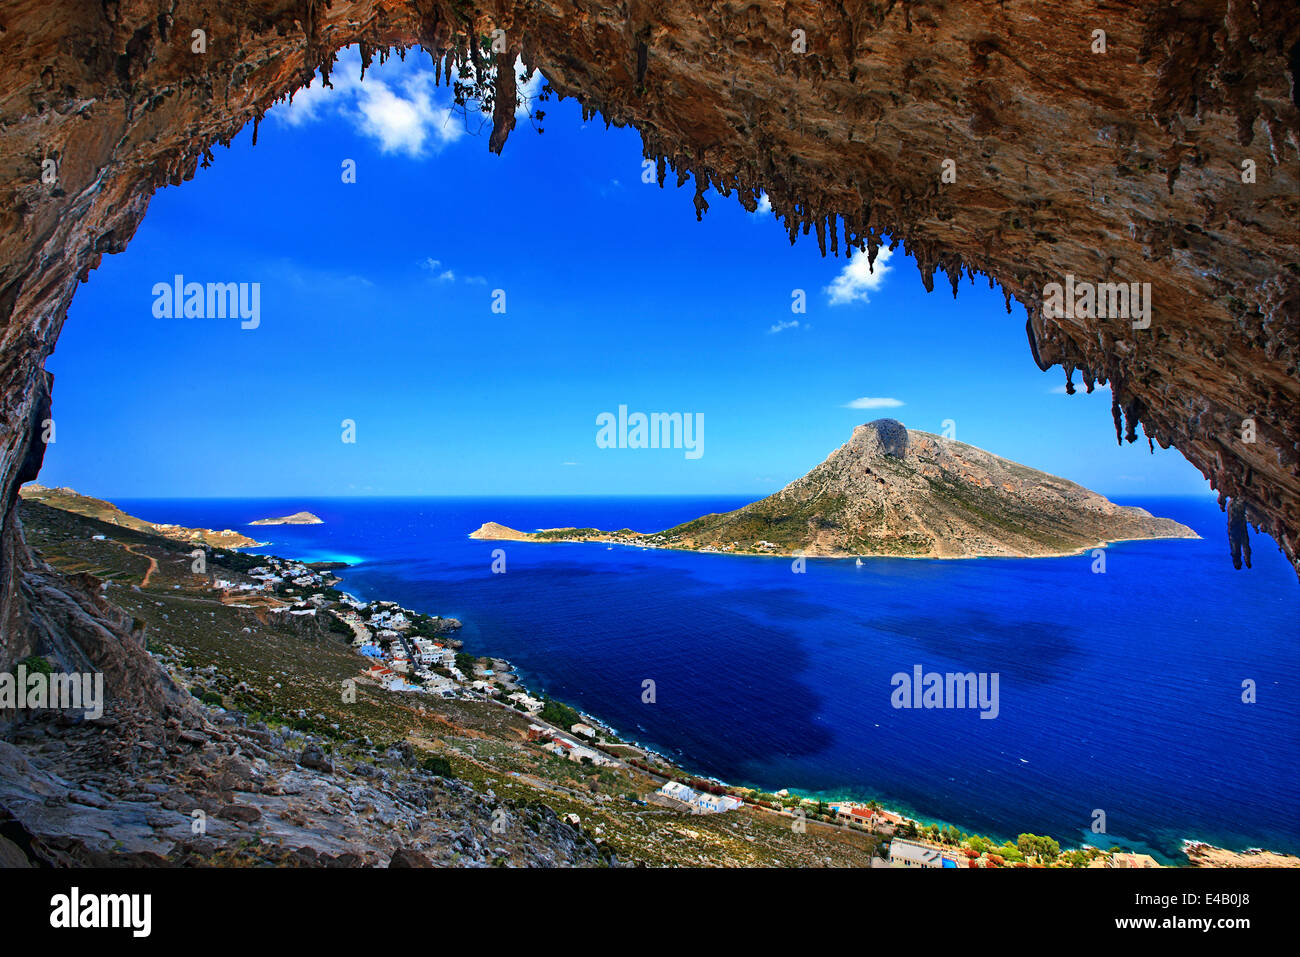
column 1238, row 533
column 474, row 57
column 701, row 205
column 505, row 100
column 927, row 273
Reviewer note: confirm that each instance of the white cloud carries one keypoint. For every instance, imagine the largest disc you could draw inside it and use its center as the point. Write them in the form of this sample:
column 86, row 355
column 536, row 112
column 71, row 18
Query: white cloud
column 867, row 402
column 315, row 99
column 310, row 277
column 397, row 123
column 857, row 280
column 398, row 104
column 788, row 324
column 405, row 119
column 764, row 205
column 1059, row 390
column 435, row 266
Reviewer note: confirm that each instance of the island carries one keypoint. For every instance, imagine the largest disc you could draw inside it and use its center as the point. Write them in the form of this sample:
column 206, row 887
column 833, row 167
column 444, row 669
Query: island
column 297, row 518
column 891, row 491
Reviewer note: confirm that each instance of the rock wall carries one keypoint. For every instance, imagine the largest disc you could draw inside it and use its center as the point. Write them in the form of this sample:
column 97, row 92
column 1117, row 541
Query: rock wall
column 1116, row 166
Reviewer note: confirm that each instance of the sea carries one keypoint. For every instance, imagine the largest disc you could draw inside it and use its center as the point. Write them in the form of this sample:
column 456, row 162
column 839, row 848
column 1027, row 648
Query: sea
column 1158, row 698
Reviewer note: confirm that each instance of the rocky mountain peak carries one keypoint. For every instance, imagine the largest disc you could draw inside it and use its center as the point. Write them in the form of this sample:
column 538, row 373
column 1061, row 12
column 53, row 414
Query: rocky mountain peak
column 882, row 436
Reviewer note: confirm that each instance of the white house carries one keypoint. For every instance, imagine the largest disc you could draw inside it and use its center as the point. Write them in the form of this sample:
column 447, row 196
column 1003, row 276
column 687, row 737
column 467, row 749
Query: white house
column 679, row 792
column 909, row 854
column 717, row 803
column 532, row 704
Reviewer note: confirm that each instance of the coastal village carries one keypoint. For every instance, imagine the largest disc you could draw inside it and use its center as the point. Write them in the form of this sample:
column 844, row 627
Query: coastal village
column 408, row 651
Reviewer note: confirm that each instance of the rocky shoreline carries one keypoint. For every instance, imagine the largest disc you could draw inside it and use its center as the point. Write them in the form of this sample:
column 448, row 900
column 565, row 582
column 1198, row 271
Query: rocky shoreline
column 496, row 532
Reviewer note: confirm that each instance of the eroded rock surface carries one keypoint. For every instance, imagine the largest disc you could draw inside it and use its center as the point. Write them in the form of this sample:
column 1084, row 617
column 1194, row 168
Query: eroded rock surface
column 132, row 790
column 1124, row 166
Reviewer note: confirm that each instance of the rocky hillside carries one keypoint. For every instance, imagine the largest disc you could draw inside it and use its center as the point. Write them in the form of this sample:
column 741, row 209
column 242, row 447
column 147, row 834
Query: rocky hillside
column 894, row 491
column 72, row 501
column 226, row 740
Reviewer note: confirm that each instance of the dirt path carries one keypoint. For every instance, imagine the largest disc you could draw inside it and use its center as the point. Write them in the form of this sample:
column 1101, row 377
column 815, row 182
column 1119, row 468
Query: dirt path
column 153, row 565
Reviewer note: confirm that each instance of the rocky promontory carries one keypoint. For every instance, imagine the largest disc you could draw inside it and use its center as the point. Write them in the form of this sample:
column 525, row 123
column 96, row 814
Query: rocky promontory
column 72, row 501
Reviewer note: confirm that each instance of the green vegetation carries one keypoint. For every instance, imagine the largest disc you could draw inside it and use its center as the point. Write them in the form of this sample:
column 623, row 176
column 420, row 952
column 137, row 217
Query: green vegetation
column 239, row 561
column 208, row 697
column 437, row 764
column 552, row 534
column 1044, row 848
column 558, row 713
column 783, row 520
column 35, row 663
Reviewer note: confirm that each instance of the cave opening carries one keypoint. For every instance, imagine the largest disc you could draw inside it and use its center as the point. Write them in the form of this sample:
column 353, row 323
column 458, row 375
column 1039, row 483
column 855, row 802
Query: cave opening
column 376, row 136
column 371, row 306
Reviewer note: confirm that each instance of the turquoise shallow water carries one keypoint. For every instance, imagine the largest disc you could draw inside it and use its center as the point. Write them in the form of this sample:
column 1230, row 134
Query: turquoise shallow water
column 1118, row 691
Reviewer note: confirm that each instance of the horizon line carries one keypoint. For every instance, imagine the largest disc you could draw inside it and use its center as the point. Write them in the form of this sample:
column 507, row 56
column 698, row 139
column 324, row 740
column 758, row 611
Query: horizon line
column 1209, row 493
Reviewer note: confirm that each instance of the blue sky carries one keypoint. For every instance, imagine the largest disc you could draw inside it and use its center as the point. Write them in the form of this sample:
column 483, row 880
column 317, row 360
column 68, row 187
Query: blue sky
column 376, row 304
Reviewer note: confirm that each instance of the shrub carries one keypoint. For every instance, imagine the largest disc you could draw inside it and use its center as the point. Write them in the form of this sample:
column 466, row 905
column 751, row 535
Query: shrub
column 437, row 764
column 38, row 664
column 559, row 714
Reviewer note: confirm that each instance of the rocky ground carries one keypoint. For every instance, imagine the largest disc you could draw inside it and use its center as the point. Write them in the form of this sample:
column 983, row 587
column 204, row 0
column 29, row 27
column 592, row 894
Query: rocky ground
column 128, row 790
column 1204, row 855
column 283, row 769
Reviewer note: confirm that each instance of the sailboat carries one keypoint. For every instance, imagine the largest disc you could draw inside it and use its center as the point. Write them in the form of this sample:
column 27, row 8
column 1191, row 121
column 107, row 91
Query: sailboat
column 859, row 562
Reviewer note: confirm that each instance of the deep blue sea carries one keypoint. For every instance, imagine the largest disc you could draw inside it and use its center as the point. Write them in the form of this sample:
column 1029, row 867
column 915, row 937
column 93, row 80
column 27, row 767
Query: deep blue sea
column 1119, row 691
